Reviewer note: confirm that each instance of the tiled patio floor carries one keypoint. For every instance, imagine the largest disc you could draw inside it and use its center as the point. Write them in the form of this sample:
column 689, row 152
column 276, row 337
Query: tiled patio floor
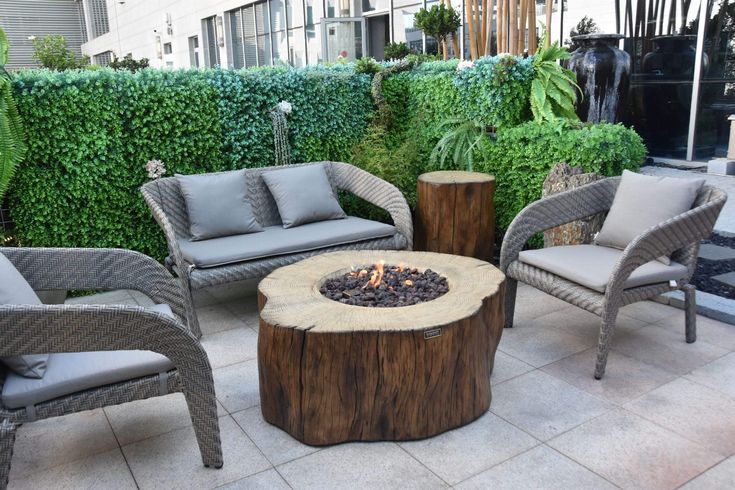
column 663, row 416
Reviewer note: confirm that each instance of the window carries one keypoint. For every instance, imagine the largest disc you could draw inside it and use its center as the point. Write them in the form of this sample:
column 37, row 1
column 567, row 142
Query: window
column 98, row 16
column 278, row 28
column 103, row 59
column 314, row 13
column 194, row 51
column 82, row 22
column 167, row 49
column 211, row 48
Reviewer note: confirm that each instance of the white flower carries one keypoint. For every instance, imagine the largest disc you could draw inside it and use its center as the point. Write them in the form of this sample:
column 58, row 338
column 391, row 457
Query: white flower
column 502, row 55
column 31, row 38
column 155, row 168
column 284, row 107
column 464, row 64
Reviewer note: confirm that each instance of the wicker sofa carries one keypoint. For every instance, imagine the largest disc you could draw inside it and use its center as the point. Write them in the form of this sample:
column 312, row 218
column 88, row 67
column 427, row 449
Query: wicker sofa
column 226, row 259
column 81, row 375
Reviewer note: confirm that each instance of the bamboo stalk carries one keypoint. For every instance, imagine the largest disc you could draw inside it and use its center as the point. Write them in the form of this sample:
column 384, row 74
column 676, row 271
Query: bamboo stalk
column 471, row 29
column 532, row 44
column 522, row 11
column 483, row 37
column 477, row 26
column 489, row 34
column 513, row 31
column 503, row 27
column 549, row 6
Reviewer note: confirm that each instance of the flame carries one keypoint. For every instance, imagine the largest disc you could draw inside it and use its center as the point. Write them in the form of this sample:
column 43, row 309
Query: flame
column 377, row 275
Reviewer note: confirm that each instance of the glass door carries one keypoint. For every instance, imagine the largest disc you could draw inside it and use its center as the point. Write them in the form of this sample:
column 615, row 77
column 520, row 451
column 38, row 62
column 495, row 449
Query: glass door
column 342, row 38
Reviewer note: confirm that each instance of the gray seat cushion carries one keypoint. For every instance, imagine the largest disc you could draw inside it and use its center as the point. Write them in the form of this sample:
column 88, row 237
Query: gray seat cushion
column 303, row 195
column 15, row 290
column 276, row 240
column 217, row 204
column 591, row 265
column 68, row 373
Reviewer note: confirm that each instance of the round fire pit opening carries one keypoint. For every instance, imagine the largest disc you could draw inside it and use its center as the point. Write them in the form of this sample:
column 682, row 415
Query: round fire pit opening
column 332, row 372
column 384, row 285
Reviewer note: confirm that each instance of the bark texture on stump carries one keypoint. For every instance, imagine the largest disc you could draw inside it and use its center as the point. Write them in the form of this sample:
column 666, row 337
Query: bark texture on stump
column 332, row 373
column 564, row 177
column 455, row 213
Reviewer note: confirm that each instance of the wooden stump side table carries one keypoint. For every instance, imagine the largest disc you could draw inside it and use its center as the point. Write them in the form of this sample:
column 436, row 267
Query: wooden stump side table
column 455, row 213
column 331, row 372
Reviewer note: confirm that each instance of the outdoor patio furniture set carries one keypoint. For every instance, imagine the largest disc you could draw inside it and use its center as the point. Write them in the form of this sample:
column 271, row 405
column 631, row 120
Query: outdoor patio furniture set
column 62, row 359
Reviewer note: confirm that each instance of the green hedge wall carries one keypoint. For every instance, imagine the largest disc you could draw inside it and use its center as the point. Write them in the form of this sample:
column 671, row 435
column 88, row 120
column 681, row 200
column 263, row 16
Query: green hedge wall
column 91, row 132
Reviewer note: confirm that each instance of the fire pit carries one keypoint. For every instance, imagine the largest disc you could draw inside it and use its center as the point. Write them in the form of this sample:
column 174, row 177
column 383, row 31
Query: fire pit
column 382, row 368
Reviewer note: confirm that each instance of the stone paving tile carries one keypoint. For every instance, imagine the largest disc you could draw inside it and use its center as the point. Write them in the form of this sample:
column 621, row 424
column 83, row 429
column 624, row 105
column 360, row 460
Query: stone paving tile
column 107, row 470
column 173, row 460
column 236, row 386
column 711, row 331
column 666, row 349
column 266, row 480
column 720, row 476
column 217, row 318
column 532, row 303
column 632, row 452
column 543, row 405
column 718, row 375
column 625, row 377
column 231, row 346
column 541, row 468
column 538, row 344
column 711, row 251
column 461, row 453
column 649, row 311
column 691, row 410
column 56, row 441
column 116, row 297
column 378, row 465
column 584, row 324
column 506, row 367
column 142, row 419
column 277, row 445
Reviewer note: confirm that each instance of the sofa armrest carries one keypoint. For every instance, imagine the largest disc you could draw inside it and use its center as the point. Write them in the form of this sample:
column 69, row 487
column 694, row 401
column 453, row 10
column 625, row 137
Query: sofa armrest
column 376, row 191
column 555, row 210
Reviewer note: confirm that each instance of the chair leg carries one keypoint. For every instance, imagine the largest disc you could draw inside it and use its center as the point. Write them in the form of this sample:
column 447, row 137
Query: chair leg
column 191, row 313
column 7, row 440
column 198, row 389
column 511, row 286
column 607, row 328
column 690, row 307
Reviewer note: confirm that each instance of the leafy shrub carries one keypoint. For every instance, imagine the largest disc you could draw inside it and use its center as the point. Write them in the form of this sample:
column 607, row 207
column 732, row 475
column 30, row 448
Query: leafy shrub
column 52, row 53
column 396, row 51
column 128, row 63
column 367, row 65
column 522, row 156
column 438, row 22
column 553, row 91
column 495, row 90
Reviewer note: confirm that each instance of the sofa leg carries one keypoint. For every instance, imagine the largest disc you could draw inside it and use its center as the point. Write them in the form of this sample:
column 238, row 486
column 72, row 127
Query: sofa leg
column 690, row 312
column 511, row 287
column 607, row 328
column 7, row 440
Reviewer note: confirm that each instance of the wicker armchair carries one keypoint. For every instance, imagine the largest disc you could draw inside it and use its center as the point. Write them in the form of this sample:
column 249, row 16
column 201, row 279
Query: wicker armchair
column 38, row 329
column 169, row 210
column 678, row 237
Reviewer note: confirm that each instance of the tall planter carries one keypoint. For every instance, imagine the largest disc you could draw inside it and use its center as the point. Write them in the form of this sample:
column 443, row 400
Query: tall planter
column 603, row 74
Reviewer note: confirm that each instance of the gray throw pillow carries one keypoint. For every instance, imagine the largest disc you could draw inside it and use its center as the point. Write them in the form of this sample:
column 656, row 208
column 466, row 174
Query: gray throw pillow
column 217, row 204
column 15, row 290
column 644, row 201
column 303, row 195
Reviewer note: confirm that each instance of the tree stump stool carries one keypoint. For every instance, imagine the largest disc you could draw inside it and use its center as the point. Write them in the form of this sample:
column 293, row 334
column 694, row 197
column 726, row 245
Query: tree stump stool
column 331, row 372
column 455, row 213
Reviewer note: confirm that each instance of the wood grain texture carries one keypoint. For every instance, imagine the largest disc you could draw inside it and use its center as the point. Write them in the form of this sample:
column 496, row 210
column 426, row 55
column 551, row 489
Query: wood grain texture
column 332, row 373
column 455, row 213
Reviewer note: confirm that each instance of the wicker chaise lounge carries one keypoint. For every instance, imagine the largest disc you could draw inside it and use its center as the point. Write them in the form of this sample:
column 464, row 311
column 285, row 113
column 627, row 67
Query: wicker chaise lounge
column 76, row 335
column 199, row 264
column 677, row 238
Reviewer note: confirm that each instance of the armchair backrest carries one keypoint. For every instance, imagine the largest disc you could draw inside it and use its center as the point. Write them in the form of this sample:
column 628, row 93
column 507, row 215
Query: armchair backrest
column 710, row 199
column 167, row 194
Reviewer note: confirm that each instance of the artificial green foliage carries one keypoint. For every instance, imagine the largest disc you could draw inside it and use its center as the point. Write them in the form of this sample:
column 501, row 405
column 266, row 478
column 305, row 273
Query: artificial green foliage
column 128, row 63
column 12, row 137
column 367, row 65
column 459, row 144
column 53, row 53
column 554, row 88
column 396, row 51
column 495, row 89
column 521, row 157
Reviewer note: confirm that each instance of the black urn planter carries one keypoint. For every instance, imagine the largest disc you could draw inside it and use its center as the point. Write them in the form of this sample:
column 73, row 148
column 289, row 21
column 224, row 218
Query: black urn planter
column 603, row 74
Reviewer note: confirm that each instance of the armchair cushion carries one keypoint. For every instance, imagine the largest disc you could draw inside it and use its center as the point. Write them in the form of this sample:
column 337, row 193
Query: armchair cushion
column 15, row 290
column 591, row 266
column 303, row 195
column 644, row 201
column 276, row 240
column 217, row 204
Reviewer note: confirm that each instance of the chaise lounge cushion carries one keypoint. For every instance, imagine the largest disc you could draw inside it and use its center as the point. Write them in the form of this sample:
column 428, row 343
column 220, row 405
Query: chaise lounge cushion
column 591, row 266
column 276, row 240
column 303, row 195
column 217, row 204
column 69, row 373
column 15, row 290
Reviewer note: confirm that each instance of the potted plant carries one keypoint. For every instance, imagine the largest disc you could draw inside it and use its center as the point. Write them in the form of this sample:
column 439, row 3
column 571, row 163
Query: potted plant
column 439, row 22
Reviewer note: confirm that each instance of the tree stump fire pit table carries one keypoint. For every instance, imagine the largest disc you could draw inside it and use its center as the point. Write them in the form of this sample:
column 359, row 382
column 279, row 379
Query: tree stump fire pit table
column 332, row 372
